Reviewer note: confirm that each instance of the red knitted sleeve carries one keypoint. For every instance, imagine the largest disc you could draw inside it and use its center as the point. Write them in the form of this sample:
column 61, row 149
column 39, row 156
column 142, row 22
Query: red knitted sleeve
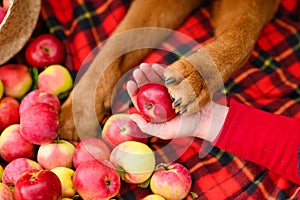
column 270, row 140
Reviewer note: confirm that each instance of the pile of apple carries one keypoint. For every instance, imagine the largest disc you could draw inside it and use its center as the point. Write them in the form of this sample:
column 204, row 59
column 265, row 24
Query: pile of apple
column 40, row 165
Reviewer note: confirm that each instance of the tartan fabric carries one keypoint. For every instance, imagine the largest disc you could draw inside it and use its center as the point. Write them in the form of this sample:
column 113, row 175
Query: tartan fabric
column 269, row 81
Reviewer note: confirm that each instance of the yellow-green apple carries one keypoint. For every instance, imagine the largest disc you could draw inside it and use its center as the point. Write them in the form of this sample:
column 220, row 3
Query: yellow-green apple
column 38, row 185
column 154, row 103
column 153, row 197
column 59, row 153
column 16, row 79
column 65, row 176
column 15, row 168
column 1, row 89
column 13, row 145
column 45, row 50
column 1, row 172
column 39, row 124
column 90, row 149
column 5, row 192
column 135, row 161
column 171, row 181
column 9, row 112
column 38, row 96
column 120, row 128
column 96, row 179
column 55, row 79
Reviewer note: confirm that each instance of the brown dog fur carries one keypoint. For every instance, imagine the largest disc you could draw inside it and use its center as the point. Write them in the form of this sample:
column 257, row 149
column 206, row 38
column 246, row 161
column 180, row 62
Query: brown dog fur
column 237, row 24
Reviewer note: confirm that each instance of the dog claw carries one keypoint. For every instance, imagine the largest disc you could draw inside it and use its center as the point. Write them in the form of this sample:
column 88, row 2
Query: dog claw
column 183, row 110
column 169, row 80
column 177, row 102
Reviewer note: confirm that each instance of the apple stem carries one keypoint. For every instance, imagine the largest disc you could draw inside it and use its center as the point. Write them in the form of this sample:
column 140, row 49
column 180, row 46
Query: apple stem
column 162, row 165
column 149, row 106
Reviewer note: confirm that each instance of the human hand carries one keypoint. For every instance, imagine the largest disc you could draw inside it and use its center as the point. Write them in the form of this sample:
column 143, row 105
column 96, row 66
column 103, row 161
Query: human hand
column 197, row 124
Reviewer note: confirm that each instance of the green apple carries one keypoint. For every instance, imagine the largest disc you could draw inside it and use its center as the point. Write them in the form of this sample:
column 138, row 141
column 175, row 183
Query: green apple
column 1, row 89
column 65, row 176
column 55, row 79
column 135, row 161
column 1, row 172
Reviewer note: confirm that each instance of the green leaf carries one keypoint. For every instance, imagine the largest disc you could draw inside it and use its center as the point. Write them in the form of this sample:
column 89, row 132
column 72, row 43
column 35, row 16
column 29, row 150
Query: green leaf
column 145, row 184
column 194, row 195
column 34, row 74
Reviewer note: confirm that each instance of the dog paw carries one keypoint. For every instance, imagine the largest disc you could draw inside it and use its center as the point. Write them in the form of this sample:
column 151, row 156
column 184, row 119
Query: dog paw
column 187, row 88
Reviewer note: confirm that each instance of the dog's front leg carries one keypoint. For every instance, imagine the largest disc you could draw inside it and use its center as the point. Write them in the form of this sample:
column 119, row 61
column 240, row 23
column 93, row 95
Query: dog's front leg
column 192, row 81
column 91, row 97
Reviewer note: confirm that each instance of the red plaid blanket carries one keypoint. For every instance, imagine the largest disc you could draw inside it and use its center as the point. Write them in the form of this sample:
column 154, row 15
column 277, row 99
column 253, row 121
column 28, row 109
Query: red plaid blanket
column 269, row 81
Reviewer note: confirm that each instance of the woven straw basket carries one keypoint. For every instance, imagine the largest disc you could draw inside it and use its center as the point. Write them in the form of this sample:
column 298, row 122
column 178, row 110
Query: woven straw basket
column 17, row 27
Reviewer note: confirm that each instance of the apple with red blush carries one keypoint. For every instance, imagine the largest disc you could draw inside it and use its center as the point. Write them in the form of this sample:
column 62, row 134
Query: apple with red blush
column 56, row 79
column 38, row 185
column 13, row 145
column 39, row 96
column 46, row 49
column 171, row 181
column 5, row 192
column 154, row 103
column 16, row 167
column 9, row 112
column 120, row 128
column 16, row 79
column 97, row 179
column 90, row 149
column 39, row 124
column 59, row 153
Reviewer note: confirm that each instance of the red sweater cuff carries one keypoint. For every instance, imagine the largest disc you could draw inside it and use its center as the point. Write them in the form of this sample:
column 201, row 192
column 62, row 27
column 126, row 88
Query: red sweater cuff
column 267, row 139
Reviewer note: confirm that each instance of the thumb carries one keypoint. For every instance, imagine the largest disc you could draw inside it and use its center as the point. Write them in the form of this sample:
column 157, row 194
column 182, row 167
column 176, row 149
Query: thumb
column 139, row 120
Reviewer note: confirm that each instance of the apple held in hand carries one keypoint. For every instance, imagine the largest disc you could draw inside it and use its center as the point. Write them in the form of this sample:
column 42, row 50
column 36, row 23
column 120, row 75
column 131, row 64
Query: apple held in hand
column 9, row 112
column 16, row 79
column 38, row 96
column 44, row 50
column 154, row 103
column 5, row 192
column 55, row 79
column 13, row 145
column 171, row 181
column 65, row 176
column 90, row 149
column 135, row 161
column 96, row 179
column 38, row 185
column 3, row 12
column 15, row 168
column 39, row 124
column 120, row 128
column 59, row 153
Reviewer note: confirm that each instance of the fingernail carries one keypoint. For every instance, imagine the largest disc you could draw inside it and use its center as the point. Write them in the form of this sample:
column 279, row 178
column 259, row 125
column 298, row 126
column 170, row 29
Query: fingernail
column 169, row 80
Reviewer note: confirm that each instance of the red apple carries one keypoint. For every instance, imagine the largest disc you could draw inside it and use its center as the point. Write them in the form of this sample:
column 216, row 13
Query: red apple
column 171, row 181
column 154, row 103
column 96, row 179
column 13, row 145
column 135, row 161
column 38, row 185
column 44, row 50
column 39, row 96
column 39, row 124
column 9, row 112
column 90, row 149
column 16, row 79
column 120, row 128
column 3, row 12
column 15, row 168
column 59, row 153
column 5, row 192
